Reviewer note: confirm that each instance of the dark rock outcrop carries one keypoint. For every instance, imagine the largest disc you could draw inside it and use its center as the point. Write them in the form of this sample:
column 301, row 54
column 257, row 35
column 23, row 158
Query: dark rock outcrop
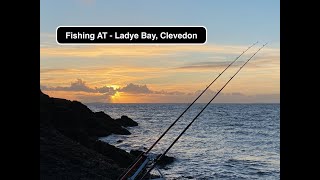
column 69, row 145
column 165, row 160
column 136, row 153
column 125, row 121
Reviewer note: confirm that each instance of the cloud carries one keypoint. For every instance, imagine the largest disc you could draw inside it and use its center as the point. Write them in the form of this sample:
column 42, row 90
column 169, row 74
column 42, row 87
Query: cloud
column 262, row 61
column 94, row 97
column 143, row 89
column 205, row 65
column 136, row 89
column 78, row 90
column 49, row 48
column 120, row 65
column 169, row 92
column 78, row 85
column 106, row 90
column 256, row 64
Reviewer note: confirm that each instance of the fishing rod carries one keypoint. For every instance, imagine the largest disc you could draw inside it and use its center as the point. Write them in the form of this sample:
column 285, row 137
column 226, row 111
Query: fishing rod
column 186, row 128
column 140, row 158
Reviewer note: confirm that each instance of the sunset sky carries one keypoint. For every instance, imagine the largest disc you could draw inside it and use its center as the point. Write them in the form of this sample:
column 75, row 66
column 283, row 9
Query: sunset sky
column 162, row 74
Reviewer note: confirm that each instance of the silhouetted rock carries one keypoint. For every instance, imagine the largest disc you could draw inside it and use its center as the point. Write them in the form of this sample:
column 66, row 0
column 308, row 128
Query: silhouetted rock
column 165, row 161
column 64, row 158
column 135, row 153
column 75, row 119
column 69, row 145
column 126, row 121
column 120, row 156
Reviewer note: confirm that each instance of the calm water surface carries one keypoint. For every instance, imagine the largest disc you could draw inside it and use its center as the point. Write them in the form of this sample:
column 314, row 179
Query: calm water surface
column 228, row 141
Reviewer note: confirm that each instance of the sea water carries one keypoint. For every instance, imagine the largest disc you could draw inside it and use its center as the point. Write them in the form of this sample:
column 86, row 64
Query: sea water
column 228, row 141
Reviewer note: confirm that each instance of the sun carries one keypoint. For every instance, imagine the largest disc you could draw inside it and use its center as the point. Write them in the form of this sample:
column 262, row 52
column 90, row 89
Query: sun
column 115, row 96
column 114, row 86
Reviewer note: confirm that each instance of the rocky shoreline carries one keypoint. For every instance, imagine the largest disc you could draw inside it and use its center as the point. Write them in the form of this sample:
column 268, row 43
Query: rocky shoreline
column 69, row 145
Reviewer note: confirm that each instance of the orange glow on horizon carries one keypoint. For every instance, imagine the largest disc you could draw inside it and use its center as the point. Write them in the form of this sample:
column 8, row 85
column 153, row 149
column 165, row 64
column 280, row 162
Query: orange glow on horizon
column 115, row 97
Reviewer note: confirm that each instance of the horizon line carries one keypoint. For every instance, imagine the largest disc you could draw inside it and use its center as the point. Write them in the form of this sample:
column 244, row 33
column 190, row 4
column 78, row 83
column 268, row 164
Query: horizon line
column 183, row 103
